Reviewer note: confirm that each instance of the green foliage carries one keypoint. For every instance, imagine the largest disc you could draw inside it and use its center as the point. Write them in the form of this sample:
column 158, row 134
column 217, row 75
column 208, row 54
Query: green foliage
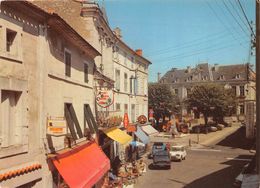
column 162, row 100
column 212, row 100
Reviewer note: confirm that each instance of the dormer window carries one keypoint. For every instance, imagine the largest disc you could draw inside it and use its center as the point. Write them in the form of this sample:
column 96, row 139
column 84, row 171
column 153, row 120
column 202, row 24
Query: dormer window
column 204, row 78
column 237, row 76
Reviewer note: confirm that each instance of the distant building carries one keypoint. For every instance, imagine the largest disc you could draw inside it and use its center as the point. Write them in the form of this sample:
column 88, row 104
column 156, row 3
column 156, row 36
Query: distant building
column 239, row 77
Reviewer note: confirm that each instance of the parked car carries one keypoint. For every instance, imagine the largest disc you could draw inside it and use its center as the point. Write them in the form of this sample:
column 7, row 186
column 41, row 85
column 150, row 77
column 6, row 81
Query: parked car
column 178, row 153
column 162, row 159
column 157, row 146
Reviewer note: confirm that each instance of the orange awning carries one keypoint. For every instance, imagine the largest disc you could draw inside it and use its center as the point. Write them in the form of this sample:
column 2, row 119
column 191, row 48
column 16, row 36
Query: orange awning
column 83, row 166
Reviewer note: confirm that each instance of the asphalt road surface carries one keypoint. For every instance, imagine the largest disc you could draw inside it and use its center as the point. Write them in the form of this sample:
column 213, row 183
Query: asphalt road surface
column 208, row 167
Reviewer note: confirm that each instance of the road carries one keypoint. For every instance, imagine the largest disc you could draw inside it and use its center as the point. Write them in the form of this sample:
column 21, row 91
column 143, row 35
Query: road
column 207, row 167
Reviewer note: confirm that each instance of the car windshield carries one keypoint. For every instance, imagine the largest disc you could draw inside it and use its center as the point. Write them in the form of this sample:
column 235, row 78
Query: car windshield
column 177, row 149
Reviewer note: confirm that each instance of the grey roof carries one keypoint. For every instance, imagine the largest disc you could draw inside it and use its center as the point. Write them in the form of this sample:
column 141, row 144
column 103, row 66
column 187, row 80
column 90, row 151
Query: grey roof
column 206, row 72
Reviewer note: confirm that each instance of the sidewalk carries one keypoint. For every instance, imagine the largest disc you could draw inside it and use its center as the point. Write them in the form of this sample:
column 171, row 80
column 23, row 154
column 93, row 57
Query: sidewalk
column 197, row 140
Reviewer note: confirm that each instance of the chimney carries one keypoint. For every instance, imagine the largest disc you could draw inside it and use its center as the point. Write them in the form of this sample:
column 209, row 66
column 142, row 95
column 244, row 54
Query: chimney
column 139, row 52
column 117, row 32
column 158, row 76
column 188, row 69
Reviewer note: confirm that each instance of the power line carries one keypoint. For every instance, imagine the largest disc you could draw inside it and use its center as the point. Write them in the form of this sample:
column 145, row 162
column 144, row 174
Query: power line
column 187, row 46
column 204, row 48
column 187, row 43
column 246, row 18
column 223, row 23
column 197, row 52
column 223, row 1
column 237, row 12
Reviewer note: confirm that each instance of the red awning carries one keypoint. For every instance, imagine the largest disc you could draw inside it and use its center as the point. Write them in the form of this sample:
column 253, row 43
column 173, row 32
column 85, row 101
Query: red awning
column 83, row 166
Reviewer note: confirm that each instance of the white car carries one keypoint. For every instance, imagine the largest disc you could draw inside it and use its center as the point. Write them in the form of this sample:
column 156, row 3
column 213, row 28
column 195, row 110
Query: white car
column 178, row 153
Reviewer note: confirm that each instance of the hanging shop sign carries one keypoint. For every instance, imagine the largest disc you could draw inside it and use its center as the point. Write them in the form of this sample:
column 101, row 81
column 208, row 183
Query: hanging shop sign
column 126, row 120
column 56, row 126
column 131, row 128
column 104, row 98
column 142, row 119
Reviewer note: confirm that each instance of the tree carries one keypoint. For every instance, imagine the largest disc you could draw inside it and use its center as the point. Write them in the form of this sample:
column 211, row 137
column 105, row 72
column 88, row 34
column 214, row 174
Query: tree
column 162, row 101
column 212, row 100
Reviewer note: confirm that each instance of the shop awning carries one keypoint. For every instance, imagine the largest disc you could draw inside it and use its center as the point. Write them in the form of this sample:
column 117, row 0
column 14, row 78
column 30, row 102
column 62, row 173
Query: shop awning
column 149, row 130
column 83, row 166
column 118, row 135
column 142, row 136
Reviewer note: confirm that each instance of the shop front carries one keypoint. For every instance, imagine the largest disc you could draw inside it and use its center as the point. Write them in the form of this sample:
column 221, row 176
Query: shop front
column 82, row 166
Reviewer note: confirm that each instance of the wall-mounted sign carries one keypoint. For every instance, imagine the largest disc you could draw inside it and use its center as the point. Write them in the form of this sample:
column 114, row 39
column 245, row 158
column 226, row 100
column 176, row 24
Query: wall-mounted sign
column 56, row 126
column 105, row 98
column 142, row 119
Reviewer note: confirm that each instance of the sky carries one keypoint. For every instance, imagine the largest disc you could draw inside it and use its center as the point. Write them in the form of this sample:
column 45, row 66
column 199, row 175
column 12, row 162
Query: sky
column 181, row 33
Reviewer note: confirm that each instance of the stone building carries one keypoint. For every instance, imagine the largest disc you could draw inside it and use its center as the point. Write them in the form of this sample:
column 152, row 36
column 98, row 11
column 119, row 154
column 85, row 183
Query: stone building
column 239, row 77
column 47, row 100
column 119, row 63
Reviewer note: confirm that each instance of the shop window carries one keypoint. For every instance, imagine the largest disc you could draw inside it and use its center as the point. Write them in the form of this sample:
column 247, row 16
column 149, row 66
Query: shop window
column 86, row 73
column 10, row 118
column 67, row 59
column 72, row 122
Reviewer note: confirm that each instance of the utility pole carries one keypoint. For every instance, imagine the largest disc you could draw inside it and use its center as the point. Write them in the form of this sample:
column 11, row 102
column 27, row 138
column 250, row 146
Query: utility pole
column 257, row 86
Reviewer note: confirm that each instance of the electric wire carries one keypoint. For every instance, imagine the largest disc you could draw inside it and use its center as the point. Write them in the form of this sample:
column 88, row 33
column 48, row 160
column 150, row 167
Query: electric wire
column 223, row 23
column 241, row 7
column 223, row 1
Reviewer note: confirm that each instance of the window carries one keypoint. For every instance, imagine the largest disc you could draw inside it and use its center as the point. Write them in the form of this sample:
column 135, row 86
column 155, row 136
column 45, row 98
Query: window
column 86, row 73
column 117, row 106
column 131, row 84
column 133, row 112
column 234, row 90
column 242, row 109
column 176, row 91
column 126, row 108
column 67, row 59
column 125, row 82
column 72, row 121
column 242, row 91
column 125, row 60
column 118, row 80
column 89, row 120
column 188, row 92
column 10, row 40
column 237, row 76
column 221, row 77
column 10, row 118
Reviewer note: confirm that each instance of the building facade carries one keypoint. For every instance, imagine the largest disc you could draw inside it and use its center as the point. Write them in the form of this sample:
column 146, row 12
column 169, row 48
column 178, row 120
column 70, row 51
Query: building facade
column 126, row 67
column 239, row 77
column 47, row 100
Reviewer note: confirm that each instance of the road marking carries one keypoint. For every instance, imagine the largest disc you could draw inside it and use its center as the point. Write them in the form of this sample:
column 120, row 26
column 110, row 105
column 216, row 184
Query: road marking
column 237, row 159
column 202, row 149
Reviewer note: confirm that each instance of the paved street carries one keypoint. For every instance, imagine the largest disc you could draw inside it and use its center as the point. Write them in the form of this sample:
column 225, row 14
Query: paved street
column 205, row 167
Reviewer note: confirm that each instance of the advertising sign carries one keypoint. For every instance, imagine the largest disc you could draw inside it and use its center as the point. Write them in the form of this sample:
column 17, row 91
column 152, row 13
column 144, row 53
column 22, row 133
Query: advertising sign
column 126, row 120
column 56, row 126
column 104, row 98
